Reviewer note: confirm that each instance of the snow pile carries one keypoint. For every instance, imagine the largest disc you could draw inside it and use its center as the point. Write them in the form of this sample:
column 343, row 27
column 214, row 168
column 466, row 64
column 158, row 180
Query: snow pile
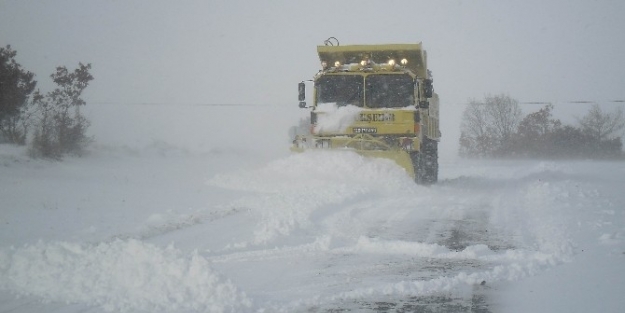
column 290, row 190
column 121, row 275
column 334, row 119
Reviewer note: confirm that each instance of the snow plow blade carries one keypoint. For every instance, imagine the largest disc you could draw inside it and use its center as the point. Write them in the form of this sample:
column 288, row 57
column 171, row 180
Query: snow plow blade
column 402, row 158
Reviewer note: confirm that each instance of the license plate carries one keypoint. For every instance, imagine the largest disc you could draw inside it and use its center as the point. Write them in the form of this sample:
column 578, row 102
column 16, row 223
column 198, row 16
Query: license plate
column 365, row 130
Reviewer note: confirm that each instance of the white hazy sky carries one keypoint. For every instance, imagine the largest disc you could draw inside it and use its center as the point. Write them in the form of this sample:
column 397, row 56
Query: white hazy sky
column 255, row 52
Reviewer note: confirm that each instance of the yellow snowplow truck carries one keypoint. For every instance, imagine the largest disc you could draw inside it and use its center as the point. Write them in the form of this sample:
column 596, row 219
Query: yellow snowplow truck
column 377, row 100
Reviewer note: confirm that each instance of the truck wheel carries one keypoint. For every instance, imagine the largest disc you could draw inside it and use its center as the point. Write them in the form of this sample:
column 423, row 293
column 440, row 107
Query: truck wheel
column 425, row 163
column 419, row 167
column 430, row 156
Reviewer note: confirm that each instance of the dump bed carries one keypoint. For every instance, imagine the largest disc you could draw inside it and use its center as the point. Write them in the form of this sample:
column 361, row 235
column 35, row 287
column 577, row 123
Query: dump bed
column 416, row 56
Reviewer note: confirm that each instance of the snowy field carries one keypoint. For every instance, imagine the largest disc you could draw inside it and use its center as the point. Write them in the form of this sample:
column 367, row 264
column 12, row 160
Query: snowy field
column 214, row 214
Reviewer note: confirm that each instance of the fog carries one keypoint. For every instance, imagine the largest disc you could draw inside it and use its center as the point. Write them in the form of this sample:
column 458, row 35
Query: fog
column 190, row 200
column 245, row 52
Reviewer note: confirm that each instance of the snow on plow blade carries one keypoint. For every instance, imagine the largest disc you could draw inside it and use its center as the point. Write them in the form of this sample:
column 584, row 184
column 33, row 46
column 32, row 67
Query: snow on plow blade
column 421, row 165
column 402, row 158
column 417, row 158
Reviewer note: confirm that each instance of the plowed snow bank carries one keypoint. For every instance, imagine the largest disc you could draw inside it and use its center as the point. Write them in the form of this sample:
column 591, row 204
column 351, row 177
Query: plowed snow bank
column 121, row 275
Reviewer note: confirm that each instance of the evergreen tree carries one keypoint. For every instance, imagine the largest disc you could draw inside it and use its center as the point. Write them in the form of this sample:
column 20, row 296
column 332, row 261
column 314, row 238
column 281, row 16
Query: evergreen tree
column 16, row 86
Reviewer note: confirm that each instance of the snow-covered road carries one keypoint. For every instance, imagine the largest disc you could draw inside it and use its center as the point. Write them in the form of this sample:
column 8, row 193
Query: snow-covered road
column 178, row 231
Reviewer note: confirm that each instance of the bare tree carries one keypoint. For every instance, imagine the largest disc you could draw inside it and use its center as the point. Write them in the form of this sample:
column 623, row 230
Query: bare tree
column 474, row 121
column 504, row 116
column 602, row 126
column 488, row 125
column 475, row 139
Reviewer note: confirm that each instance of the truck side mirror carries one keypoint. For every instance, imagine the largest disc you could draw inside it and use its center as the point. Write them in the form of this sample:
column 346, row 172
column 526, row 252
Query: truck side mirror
column 301, row 87
column 428, row 89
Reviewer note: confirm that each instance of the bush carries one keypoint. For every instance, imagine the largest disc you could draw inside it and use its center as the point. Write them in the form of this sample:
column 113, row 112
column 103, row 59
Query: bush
column 60, row 128
column 538, row 134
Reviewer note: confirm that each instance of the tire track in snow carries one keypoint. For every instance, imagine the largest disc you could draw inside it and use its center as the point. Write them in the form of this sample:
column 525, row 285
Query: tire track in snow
column 162, row 224
column 365, row 217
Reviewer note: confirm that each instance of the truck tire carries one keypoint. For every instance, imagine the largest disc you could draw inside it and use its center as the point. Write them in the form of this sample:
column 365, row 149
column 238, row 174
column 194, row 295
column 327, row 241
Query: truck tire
column 425, row 163
column 430, row 162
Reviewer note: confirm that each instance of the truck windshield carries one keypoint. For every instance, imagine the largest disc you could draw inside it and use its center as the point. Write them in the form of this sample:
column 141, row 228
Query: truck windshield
column 340, row 89
column 389, row 90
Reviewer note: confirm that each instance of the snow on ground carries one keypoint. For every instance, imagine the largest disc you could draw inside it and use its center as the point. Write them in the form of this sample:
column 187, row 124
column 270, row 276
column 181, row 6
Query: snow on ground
column 167, row 226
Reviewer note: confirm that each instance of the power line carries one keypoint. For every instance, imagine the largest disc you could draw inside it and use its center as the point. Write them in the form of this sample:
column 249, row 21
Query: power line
column 573, row 102
column 180, row 104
